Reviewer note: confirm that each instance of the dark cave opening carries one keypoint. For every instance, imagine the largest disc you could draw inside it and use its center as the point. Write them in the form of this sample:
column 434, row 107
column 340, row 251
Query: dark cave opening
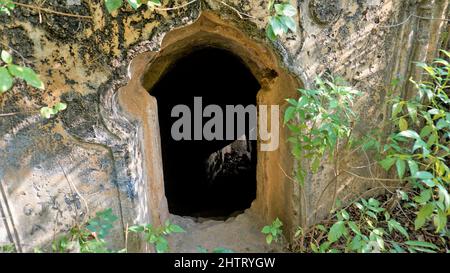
column 208, row 179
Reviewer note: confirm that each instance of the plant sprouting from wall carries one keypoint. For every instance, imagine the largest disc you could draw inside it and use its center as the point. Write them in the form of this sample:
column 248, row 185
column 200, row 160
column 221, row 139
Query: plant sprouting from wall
column 281, row 19
column 10, row 71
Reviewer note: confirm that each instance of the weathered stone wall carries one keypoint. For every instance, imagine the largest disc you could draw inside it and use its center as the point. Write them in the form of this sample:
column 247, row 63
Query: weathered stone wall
column 55, row 172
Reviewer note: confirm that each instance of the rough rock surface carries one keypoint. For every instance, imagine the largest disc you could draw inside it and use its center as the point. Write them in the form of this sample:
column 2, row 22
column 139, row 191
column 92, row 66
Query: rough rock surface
column 241, row 234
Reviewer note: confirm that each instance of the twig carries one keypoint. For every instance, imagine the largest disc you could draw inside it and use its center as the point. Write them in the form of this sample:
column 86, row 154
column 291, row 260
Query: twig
column 239, row 13
column 25, row 60
column 336, row 174
column 289, row 177
column 374, row 178
column 361, row 167
column 371, row 174
column 52, row 11
column 404, row 213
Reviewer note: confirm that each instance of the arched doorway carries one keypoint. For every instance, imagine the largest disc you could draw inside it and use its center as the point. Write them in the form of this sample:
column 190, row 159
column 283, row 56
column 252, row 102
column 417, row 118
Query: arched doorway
column 207, row 177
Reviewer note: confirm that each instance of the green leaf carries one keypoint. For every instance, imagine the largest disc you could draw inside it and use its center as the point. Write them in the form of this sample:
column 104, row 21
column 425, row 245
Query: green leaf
column 422, row 216
column 270, row 34
column 345, row 214
column 314, row 247
column 135, row 4
column 371, row 214
column 156, row 3
column 136, row 229
column 289, row 22
column 336, row 231
column 424, row 175
column 269, row 239
column 352, row 225
column 162, row 245
column 112, row 5
column 445, row 195
column 421, row 244
column 6, row 81
column 397, row 108
column 6, row 57
column 60, row 106
column 176, row 228
column 26, row 74
column 277, row 26
column 409, row 134
column 413, row 167
column 266, row 230
column 412, row 111
column 285, row 9
column 289, row 114
column 440, row 220
column 401, row 167
column 424, row 197
column 403, row 124
column 392, row 224
column 46, row 112
column 388, row 163
column 426, row 131
column 101, row 224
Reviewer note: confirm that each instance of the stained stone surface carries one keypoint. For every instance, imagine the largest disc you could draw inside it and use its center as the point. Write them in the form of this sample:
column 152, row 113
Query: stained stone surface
column 325, row 11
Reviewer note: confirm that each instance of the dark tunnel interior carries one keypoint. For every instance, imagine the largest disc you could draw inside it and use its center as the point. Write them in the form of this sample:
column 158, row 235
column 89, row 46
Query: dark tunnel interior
column 201, row 178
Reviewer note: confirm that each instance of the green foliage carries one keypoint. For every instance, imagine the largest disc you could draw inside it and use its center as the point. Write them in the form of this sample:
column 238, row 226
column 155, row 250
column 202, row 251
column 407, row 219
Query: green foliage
column 113, row 5
column 370, row 229
column 420, row 146
column 79, row 240
column 318, row 120
column 48, row 112
column 10, row 71
column 418, row 150
column 10, row 248
column 102, row 223
column 273, row 232
column 6, row 6
column 89, row 238
column 156, row 235
column 281, row 20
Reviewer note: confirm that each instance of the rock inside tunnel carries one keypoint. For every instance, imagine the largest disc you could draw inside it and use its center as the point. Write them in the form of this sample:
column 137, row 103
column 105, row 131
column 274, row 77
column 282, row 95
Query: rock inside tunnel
column 207, row 178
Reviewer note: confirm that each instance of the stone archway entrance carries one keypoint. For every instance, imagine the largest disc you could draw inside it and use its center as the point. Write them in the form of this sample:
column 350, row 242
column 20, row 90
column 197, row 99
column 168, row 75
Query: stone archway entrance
column 276, row 195
column 206, row 177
